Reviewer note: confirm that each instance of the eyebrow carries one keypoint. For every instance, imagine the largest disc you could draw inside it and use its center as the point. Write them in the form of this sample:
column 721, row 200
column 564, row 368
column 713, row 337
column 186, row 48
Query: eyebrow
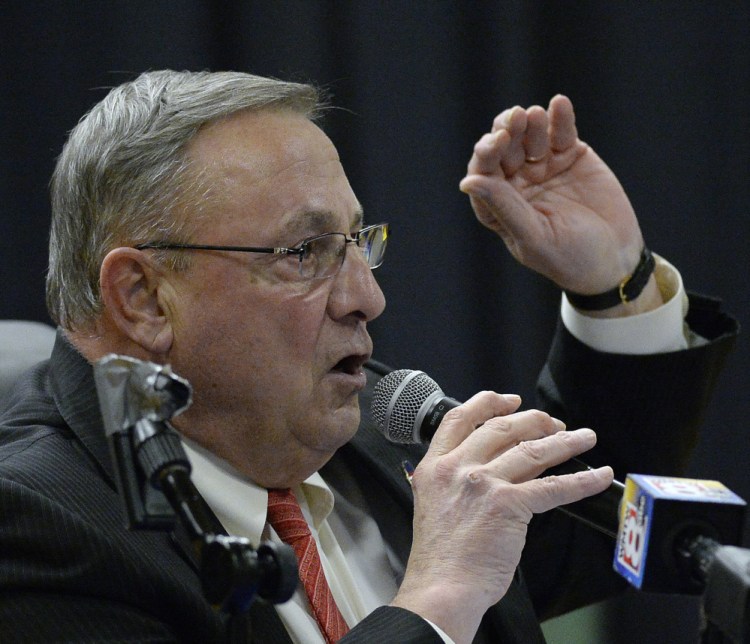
column 317, row 222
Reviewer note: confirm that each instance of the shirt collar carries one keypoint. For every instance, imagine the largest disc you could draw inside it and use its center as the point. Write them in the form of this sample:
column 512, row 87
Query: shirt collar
column 240, row 504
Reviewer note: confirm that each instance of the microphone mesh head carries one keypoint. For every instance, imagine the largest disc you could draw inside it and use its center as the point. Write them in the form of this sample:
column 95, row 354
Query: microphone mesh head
column 395, row 409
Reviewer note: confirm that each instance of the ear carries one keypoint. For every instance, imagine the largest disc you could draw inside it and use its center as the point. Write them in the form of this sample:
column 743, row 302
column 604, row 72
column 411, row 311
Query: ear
column 130, row 285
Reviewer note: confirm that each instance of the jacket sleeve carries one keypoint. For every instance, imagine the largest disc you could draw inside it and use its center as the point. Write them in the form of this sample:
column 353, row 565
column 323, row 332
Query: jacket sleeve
column 647, row 411
column 391, row 624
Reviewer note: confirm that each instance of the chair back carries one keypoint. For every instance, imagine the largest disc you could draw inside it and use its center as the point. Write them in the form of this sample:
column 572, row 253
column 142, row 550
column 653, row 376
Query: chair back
column 23, row 343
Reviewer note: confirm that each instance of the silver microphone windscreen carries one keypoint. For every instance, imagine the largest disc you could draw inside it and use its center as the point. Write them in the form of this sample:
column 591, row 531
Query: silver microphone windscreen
column 398, row 403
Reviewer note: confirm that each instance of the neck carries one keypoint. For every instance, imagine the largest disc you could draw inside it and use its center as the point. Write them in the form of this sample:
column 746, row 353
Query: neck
column 252, row 453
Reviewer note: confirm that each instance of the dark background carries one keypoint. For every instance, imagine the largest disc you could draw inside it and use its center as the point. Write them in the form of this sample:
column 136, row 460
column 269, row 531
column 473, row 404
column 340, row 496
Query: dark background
column 661, row 89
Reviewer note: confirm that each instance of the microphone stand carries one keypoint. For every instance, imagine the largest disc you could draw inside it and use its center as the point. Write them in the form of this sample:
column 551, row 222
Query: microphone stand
column 721, row 573
column 152, row 473
column 725, row 573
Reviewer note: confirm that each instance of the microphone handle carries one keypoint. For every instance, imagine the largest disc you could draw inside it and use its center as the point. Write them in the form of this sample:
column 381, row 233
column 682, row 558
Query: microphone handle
column 431, row 415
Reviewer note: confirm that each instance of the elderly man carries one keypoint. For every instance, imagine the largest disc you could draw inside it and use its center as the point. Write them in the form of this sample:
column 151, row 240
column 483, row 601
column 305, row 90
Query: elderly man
column 205, row 221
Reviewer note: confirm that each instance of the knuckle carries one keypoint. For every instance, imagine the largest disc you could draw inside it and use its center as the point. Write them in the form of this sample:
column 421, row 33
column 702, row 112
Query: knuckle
column 532, row 451
column 499, row 425
column 443, row 471
column 548, row 491
column 476, row 476
column 494, row 400
column 482, row 145
column 539, row 416
column 550, row 485
column 542, row 420
column 456, row 415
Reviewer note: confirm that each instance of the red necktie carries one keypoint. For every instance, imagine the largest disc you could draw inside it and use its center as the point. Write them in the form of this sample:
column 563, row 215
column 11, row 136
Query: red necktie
column 285, row 515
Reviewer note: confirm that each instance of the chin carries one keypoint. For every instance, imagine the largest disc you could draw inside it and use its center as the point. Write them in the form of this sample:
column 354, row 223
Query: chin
column 342, row 426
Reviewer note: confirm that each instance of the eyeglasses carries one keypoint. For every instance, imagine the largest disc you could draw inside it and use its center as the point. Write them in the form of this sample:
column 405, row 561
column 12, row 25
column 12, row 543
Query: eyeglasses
column 320, row 257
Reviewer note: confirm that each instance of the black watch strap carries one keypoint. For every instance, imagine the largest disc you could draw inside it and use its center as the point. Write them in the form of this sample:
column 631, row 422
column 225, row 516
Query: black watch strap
column 629, row 289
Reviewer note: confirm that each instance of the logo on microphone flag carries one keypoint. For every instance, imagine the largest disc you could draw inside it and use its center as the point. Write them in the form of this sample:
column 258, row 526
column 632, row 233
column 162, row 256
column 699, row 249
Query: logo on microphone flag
column 632, row 539
column 656, row 510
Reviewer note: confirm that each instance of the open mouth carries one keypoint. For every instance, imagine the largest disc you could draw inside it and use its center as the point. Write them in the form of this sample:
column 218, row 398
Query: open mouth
column 351, row 365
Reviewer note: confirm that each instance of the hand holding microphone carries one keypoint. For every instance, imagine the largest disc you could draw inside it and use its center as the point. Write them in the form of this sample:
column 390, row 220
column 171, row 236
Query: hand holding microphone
column 475, row 492
column 408, row 406
column 667, row 529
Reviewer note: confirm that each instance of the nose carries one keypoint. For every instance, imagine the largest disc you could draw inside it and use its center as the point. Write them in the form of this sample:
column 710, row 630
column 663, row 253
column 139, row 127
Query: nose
column 355, row 290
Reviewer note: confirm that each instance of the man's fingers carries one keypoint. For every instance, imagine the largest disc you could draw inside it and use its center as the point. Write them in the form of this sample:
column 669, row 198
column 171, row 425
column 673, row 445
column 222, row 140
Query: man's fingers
column 488, row 152
column 515, row 154
column 536, row 139
column 529, row 135
column 521, row 138
column 530, row 458
column 513, row 120
column 461, row 422
column 542, row 495
column 502, row 119
column 501, row 434
column 562, row 124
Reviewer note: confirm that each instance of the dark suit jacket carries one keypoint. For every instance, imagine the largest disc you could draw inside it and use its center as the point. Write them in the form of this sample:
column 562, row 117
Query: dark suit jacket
column 70, row 571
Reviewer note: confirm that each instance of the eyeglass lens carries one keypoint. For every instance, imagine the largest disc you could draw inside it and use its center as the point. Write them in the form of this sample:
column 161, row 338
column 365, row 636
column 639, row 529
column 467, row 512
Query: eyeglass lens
column 324, row 255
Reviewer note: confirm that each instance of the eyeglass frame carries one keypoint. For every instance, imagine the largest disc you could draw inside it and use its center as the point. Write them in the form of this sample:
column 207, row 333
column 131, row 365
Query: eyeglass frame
column 277, row 250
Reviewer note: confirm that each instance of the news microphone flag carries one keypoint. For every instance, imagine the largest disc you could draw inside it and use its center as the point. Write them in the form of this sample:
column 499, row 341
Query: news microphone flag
column 660, row 513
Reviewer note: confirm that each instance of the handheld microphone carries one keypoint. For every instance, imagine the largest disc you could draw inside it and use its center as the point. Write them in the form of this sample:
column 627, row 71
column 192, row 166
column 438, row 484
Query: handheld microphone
column 408, row 406
column 684, row 530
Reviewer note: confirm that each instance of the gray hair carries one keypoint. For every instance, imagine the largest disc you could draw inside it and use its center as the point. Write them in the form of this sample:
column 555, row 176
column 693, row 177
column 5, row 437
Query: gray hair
column 123, row 171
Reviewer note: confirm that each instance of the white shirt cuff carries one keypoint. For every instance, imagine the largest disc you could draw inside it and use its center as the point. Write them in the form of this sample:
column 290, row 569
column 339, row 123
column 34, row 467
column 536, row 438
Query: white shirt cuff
column 657, row 331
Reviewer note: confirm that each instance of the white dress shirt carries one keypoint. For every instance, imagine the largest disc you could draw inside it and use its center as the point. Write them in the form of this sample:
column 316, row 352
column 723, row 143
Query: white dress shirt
column 361, row 570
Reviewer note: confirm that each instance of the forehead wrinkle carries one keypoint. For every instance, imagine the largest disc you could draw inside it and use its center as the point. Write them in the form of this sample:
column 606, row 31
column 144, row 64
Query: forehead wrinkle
column 258, row 147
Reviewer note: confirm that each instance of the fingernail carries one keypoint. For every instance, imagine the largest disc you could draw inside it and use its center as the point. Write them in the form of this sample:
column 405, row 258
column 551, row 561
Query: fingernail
column 513, row 398
column 474, row 191
column 559, row 424
column 589, row 435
